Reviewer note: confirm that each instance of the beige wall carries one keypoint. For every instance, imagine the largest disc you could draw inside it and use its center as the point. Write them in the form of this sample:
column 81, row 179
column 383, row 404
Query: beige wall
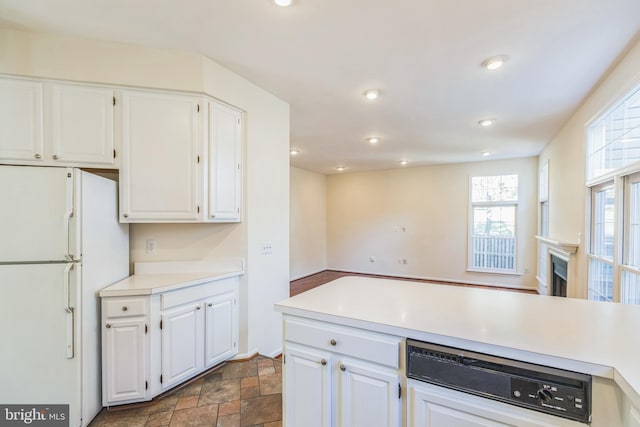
column 266, row 162
column 566, row 154
column 308, row 223
column 421, row 214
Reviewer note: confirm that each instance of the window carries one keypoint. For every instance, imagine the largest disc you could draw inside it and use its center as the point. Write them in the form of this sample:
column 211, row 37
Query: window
column 613, row 165
column 494, row 200
column 613, row 139
column 630, row 289
column 543, row 226
column 602, row 243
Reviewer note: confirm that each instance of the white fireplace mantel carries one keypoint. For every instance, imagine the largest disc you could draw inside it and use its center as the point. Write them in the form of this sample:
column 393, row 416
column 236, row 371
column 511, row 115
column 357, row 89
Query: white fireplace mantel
column 567, row 247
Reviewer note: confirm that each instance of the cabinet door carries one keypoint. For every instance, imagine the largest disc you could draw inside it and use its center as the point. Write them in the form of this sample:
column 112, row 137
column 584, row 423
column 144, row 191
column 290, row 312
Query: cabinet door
column 307, row 393
column 433, row 406
column 81, row 124
column 225, row 152
column 21, row 120
column 368, row 395
column 182, row 344
column 220, row 329
column 161, row 145
column 125, row 360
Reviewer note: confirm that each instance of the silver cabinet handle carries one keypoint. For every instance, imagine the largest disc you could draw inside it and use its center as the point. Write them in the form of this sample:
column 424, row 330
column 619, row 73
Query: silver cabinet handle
column 333, row 342
column 198, row 308
column 210, row 304
column 55, row 157
column 37, row 156
column 343, row 368
column 323, row 362
column 125, row 215
column 125, row 308
column 108, row 326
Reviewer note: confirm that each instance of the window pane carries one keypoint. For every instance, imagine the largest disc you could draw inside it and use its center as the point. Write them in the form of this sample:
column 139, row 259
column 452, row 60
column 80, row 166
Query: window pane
column 499, row 188
column 630, row 293
column 493, row 240
column 600, row 280
column 634, row 225
column 544, row 218
column 603, row 223
column 613, row 140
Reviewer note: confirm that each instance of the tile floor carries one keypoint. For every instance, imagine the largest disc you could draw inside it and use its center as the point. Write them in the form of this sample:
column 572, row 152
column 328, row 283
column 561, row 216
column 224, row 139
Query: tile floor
column 238, row 394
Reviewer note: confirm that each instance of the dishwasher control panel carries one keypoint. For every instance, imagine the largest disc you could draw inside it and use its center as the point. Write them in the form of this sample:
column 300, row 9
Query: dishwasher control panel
column 554, row 391
column 557, row 398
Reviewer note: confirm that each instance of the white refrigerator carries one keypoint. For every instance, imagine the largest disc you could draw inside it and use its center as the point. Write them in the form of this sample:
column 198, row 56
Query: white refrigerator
column 60, row 243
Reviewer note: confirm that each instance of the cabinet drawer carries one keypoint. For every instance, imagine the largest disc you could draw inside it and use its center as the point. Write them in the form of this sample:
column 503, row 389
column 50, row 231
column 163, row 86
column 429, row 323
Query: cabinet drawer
column 370, row 346
column 125, row 307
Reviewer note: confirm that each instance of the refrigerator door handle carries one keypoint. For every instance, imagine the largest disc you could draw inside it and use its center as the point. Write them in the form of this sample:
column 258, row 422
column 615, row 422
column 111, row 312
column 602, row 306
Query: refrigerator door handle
column 66, row 237
column 68, row 310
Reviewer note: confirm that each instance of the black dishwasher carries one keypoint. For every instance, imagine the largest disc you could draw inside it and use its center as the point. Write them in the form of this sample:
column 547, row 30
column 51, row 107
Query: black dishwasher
column 554, row 391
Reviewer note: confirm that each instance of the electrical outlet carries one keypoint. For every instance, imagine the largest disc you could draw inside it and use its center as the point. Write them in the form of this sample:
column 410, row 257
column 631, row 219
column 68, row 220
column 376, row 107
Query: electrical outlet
column 151, row 246
column 267, row 248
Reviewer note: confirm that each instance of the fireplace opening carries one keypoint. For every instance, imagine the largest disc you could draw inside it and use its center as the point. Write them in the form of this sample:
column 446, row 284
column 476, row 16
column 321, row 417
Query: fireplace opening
column 558, row 277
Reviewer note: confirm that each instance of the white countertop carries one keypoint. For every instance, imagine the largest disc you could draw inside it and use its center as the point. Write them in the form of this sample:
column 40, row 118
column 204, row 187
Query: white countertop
column 598, row 338
column 158, row 277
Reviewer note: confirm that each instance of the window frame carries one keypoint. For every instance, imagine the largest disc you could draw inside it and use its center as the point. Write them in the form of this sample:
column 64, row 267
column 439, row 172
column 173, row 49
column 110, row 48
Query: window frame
column 471, row 228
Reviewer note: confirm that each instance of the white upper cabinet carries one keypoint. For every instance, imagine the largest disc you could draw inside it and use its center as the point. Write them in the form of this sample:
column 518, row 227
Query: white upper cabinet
column 224, row 164
column 56, row 124
column 21, row 120
column 162, row 141
column 81, row 129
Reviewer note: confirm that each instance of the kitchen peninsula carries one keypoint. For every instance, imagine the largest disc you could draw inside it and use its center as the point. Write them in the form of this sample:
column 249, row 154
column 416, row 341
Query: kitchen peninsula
column 350, row 335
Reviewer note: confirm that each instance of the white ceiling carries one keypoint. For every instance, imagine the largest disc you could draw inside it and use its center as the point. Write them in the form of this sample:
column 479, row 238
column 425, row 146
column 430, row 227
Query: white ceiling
column 423, row 55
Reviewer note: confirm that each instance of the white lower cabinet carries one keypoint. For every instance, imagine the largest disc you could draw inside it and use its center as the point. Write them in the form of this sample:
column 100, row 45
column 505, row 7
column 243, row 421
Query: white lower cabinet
column 154, row 342
column 369, row 395
column 126, row 360
column 307, row 387
column 125, row 349
column 434, row 406
column 221, row 330
column 182, row 344
column 340, row 376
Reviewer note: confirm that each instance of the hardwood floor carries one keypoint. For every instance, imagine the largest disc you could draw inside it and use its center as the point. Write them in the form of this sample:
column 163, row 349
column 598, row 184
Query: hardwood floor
column 309, row 282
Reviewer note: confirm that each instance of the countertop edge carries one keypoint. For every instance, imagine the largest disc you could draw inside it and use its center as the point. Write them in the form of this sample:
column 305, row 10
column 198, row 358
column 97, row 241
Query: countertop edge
column 598, row 370
column 109, row 291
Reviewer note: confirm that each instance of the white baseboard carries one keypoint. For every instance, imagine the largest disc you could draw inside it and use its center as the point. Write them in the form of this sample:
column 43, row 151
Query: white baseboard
column 247, row 355
column 274, row 353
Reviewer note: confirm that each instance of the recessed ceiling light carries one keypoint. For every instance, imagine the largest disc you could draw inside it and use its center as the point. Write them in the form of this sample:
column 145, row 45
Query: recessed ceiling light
column 283, row 2
column 340, row 168
column 294, row 152
column 372, row 94
column 494, row 62
column 404, row 162
column 486, row 122
column 486, row 153
column 373, row 140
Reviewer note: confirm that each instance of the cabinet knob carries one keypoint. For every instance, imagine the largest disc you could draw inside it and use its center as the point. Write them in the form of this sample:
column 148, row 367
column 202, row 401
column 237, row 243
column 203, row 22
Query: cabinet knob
column 125, row 308
column 198, row 307
column 108, row 325
column 323, row 362
column 37, row 156
column 125, row 215
column 333, row 342
column 55, row 157
column 210, row 304
column 343, row 368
